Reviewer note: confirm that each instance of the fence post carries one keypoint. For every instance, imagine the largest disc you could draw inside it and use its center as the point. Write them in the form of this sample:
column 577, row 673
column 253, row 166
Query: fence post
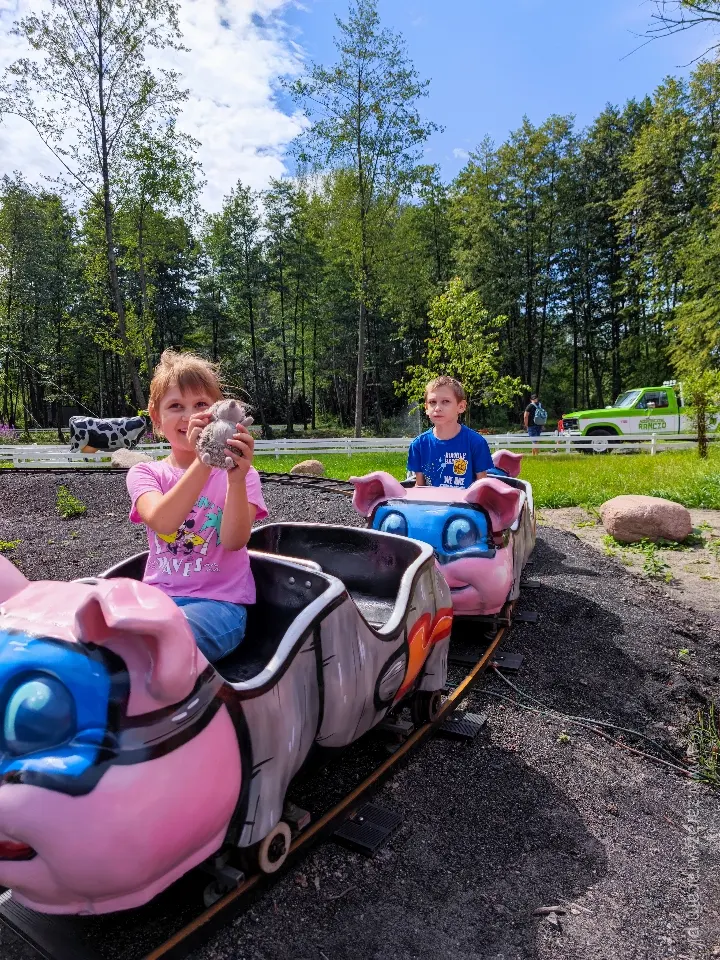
column 652, row 445
column 567, row 442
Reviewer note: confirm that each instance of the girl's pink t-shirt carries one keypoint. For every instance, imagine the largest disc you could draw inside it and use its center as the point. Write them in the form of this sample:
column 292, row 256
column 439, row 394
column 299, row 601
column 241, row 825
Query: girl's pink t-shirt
column 192, row 562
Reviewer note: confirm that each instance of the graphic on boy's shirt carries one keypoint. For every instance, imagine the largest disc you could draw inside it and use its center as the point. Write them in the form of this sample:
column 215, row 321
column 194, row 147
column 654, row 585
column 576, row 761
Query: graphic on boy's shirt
column 186, row 549
column 453, row 469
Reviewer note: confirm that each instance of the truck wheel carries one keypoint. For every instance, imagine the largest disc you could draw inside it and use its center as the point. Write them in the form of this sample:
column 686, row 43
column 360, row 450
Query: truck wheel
column 600, row 441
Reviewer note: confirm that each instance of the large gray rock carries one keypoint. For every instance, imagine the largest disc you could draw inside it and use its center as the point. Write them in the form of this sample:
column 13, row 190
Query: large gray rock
column 313, row 468
column 633, row 517
column 128, row 458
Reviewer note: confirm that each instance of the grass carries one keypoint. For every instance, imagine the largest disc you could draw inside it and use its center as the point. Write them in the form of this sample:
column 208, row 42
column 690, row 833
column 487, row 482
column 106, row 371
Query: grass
column 67, row 505
column 565, row 480
column 6, row 546
column 705, row 740
column 653, row 565
column 338, row 465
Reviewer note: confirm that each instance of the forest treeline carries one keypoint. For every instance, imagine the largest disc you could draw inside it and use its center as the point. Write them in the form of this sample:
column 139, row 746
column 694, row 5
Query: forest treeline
column 599, row 248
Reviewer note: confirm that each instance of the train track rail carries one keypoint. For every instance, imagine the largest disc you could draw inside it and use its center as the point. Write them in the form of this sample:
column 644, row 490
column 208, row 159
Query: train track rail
column 60, row 938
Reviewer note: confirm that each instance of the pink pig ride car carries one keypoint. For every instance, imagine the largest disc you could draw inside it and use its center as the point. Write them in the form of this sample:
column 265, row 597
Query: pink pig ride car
column 126, row 759
column 482, row 536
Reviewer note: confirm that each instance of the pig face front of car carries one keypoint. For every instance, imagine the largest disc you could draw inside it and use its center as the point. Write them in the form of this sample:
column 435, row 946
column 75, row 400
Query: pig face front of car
column 119, row 763
column 475, row 568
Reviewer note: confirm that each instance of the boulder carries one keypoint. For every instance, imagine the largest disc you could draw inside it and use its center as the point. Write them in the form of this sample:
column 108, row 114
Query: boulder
column 128, row 458
column 633, row 517
column 311, row 468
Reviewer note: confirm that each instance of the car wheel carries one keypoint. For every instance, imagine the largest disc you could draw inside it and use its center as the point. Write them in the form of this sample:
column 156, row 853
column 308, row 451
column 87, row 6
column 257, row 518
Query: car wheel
column 425, row 706
column 273, row 850
column 600, row 441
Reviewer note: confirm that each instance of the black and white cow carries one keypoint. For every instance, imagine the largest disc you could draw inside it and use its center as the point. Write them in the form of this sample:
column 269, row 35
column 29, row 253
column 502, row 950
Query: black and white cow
column 91, row 433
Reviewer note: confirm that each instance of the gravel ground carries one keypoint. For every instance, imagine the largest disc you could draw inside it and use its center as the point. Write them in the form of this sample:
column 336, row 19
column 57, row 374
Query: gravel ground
column 533, row 813
column 693, row 570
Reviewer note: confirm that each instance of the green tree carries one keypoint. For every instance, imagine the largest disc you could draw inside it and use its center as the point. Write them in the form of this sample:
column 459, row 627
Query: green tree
column 39, row 271
column 464, row 343
column 233, row 288
column 90, row 79
column 603, row 309
column 510, row 221
column 160, row 178
column 695, row 326
column 365, row 119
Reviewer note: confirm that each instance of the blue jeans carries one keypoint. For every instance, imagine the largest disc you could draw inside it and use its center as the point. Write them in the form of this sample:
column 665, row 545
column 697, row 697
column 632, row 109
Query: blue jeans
column 218, row 625
column 534, row 430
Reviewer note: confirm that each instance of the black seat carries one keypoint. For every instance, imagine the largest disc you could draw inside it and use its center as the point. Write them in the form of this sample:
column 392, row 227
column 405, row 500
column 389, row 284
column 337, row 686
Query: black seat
column 369, row 564
column 511, row 482
column 282, row 591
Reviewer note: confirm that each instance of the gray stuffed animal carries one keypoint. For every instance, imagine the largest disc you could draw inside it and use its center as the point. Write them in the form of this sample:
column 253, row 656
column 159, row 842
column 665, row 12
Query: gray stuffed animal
column 227, row 414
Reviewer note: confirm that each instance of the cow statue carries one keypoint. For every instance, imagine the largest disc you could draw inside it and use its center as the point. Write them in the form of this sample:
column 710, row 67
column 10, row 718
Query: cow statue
column 90, row 434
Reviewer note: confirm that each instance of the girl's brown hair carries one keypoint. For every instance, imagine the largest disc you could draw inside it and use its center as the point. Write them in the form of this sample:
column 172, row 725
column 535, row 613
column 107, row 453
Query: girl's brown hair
column 185, row 371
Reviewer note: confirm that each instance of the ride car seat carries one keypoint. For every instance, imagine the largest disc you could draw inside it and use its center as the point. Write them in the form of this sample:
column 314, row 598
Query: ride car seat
column 371, row 566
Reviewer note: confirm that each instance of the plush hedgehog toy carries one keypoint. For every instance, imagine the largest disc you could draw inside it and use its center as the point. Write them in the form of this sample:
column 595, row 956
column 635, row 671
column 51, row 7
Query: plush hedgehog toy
column 227, row 414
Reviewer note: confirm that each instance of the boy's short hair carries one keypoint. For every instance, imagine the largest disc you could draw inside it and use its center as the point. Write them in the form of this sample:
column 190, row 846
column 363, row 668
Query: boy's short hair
column 451, row 383
column 186, row 371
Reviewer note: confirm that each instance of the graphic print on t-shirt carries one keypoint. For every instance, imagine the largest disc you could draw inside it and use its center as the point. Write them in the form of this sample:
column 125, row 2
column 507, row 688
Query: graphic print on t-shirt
column 187, row 549
column 453, row 470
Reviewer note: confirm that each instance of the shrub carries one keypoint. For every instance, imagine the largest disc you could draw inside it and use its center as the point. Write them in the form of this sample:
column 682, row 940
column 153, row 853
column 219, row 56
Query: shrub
column 67, row 505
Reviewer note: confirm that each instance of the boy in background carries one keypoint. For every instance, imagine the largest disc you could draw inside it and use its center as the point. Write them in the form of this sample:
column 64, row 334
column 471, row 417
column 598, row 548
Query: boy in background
column 449, row 454
column 533, row 421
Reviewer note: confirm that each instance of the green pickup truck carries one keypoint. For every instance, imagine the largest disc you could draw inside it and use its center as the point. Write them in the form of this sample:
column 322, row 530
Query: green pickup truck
column 643, row 411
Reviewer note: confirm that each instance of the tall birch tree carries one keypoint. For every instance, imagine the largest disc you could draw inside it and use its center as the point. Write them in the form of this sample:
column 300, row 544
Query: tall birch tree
column 85, row 90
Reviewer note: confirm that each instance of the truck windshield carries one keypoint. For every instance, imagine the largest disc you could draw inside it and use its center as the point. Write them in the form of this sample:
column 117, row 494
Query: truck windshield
column 627, row 399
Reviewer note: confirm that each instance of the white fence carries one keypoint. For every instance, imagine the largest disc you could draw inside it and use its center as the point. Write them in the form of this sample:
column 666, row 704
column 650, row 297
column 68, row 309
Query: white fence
column 35, row 455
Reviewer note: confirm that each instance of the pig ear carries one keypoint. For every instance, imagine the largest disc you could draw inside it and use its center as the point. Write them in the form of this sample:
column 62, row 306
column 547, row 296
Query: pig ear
column 501, row 502
column 115, row 607
column 374, row 488
column 11, row 580
column 507, row 461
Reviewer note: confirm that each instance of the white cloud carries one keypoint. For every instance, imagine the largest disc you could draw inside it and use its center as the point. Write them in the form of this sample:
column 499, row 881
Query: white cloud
column 460, row 154
column 238, row 49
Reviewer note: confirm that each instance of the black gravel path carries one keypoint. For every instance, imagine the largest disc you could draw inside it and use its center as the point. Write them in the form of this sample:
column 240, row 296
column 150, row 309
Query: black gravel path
column 534, row 813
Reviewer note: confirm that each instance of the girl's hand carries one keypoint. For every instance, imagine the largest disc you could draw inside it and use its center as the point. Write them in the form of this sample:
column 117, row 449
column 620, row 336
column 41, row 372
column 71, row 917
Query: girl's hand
column 240, row 448
column 195, row 427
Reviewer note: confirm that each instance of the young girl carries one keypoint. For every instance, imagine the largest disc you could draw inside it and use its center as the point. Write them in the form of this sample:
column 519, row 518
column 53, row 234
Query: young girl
column 198, row 518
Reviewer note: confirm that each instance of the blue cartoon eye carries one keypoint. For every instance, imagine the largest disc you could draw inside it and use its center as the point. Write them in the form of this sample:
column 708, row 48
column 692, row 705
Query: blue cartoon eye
column 39, row 714
column 459, row 533
column 394, row 522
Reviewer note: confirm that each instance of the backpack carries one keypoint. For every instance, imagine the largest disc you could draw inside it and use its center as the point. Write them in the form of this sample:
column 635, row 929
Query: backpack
column 540, row 415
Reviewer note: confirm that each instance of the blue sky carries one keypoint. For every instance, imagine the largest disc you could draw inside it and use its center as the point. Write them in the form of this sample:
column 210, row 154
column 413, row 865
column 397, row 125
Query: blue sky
column 492, row 61
column 489, row 62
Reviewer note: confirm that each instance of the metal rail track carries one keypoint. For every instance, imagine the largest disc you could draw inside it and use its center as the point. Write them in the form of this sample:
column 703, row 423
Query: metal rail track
column 53, row 938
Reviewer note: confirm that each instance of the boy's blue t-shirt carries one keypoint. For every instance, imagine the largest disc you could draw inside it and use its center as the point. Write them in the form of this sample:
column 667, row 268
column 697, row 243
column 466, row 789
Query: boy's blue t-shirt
column 449, row 463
